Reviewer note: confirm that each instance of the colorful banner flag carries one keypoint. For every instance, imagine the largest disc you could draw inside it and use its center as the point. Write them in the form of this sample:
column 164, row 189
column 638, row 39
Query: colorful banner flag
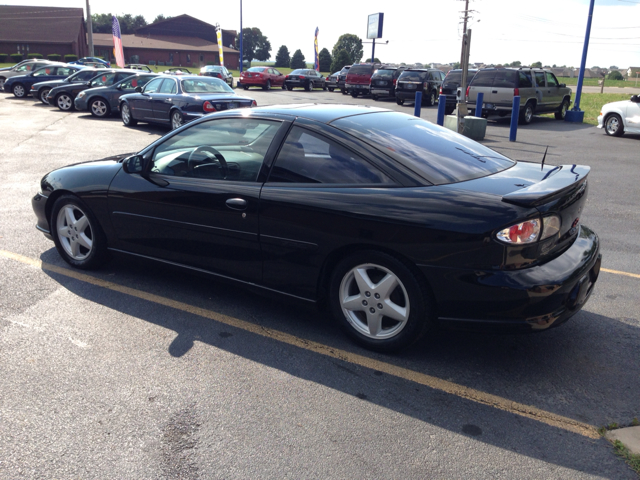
column 219, row 33
column 316, row 63
column 117, row 43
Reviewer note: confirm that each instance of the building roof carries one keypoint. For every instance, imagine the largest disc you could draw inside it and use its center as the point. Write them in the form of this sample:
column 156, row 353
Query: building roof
column 160, row 42
column 181, row 26
column 40, row 24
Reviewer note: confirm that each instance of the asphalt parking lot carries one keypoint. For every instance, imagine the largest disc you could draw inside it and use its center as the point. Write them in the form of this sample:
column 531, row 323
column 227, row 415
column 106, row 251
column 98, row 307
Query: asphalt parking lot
column 139, row 372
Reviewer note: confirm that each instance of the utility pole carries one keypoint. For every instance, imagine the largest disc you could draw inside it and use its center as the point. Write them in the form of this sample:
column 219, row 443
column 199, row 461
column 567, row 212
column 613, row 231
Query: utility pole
column 241, row 36
column 90, row 30
column 464, row 65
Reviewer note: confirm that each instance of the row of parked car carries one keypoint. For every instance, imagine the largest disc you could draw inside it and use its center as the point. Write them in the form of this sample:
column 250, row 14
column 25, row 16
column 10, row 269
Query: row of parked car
column 171, row 98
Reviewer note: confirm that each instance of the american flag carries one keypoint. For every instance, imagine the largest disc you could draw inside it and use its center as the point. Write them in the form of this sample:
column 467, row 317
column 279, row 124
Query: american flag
column 117, row 43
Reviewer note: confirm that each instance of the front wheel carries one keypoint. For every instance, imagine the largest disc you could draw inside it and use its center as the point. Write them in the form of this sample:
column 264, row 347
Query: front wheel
column 613, row 125
column 64, row 102
column 374, row 97
column 42, row 95
column 354, row 94
column 99, row 108
column 379, row 301
column 127, row 117
column 563, row 110
column 77, row 234
column 246, row 87
column 19, row 90
column 344, row 91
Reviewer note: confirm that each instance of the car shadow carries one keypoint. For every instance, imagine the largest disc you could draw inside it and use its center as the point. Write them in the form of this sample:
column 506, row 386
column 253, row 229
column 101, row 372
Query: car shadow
column 568, row 371
column 539, row 123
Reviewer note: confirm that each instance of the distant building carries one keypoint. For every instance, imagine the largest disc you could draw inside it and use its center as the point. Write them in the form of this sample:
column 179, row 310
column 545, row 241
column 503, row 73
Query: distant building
column 44, row 30
column 180, row 41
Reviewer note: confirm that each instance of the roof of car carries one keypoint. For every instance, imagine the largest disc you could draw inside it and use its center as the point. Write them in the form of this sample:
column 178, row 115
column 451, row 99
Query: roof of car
column 325, row 113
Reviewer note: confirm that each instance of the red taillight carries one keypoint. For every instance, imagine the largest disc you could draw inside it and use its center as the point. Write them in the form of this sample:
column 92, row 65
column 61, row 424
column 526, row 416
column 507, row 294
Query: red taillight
column 254, row 103
column 516, row 92
column 440, row 90
column 287, row 77
column 207, row 107
column 301, row 77
column 394, row 81
column 525, row 232
column 467, row 93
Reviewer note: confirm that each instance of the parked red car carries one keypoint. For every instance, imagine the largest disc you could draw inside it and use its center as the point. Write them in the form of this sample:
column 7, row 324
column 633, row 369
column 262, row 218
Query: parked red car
column 265, row 77
column 358, row 81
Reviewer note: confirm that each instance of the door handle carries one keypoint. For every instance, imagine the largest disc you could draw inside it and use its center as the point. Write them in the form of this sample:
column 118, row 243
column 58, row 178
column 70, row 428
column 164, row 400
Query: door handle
column 494, row 91
column 236, row 203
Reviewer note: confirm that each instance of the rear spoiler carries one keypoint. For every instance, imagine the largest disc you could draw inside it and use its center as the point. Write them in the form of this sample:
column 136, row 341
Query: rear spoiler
column 556, row 183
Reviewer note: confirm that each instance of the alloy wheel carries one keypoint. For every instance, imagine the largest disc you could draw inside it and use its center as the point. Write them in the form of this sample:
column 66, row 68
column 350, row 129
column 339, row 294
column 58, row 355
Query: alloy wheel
column 64, row 102
column 176, row 120
column 99, row 108
column 74, row 232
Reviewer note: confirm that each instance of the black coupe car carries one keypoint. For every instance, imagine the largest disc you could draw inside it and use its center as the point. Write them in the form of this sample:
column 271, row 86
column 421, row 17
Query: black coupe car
column 102, row 101
column 41, row 90
column 305, row 78
column 174, row 100
column 397, row 224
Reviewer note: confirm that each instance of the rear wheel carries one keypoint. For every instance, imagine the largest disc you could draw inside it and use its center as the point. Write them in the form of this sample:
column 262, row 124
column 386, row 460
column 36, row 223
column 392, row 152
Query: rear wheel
column 99, row 108
column 2, row 80
column 246, row 87
column 77, row 234
column 430, row 99
column 400, row 101
column 613, row 125
column 379, row 301
column 64, row 102
column 176, row 119
column 374, row 97
column 42, row 95
column 526, row 115
column 289, row 87
column 563, row 110
column 309, row 87
column 19, row 90
column 267, row 86
column 331, row 89
column 354, row 94
column 449, row 110
column 125, row 114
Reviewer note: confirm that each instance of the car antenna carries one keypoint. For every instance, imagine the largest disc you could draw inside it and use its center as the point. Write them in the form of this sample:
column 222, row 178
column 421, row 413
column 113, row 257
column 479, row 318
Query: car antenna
column 543, row 158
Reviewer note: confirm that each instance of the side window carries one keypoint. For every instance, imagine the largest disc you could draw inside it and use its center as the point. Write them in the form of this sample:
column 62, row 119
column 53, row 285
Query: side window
column 310, row 158
column 102, row 80
column 130, row 83
column 539, row 79
column 225, row 149
column 168, row 87
column 551, row 80
column 484, row 78
column 44, row 71
column 65, row 71
column 24, row 68
column 505, row 79
column 153, row 85
column 525, row 80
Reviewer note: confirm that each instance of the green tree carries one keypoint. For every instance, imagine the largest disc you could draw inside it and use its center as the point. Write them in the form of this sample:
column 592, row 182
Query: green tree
column 456, row 65
column 353, row 46
column 298, row 61
column 255, row 45
column 537, row 64
column 283, row 60
column 102, row 23
column 615, row 75
column 161, row 18
column 613, row 67
column 514, row 64
column 340, row 59
column 375, row 60
column 324, row 59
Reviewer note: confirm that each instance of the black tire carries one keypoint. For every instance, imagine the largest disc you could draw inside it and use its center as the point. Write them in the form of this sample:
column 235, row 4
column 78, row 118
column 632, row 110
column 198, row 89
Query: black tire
column 400, row 101
column 19, row 91
column 309, row 87
column 127, row 116
column 354, row 94
column 409, row 301
column 563, row 110
column 289, row 87
column 331, row 89
column 344, row 91
column 100, row 108
column 374, row 97
column 429, row 99
column 246, row 87
column 42, row 95
column 324, row 88
column 83, row 244
column 64, row 102
column 526, row 114
column 613, row 125
column 449, row 110
column 267, row 86
column 175, row 119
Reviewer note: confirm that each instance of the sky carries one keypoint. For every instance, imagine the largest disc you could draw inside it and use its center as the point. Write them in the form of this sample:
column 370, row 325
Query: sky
column 425, row 31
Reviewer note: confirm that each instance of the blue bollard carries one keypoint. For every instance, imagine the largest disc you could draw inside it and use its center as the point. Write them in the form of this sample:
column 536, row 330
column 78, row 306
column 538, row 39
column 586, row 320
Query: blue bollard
column 515, row 113
column 416, row 111
column 442, row 104
column 479, row 101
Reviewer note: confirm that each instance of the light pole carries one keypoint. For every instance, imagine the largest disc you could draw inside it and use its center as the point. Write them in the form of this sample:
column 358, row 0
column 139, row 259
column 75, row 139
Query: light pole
column 575, row 114
column 241, row 36
column 373, row 50
column 90, row 29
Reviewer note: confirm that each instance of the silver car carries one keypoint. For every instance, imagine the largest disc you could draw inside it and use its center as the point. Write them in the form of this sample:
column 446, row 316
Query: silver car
column 539, row 91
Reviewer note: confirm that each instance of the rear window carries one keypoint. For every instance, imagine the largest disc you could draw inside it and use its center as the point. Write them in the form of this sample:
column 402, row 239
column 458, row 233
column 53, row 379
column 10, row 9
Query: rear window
column 409, row 76
column 361, row 69
column 453, row 77
column 435, row 153
column 257, row 69
column 505, row 79
column 386, row 74
column 298, row 72
column 484, row 78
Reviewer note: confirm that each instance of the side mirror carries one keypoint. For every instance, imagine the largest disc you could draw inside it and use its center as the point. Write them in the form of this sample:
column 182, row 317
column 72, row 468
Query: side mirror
column 635, row 98
column 133, row 164
column 562, row 85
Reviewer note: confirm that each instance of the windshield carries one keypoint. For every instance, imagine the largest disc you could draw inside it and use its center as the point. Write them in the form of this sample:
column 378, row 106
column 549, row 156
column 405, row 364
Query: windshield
column 361, row 70
column 409, row 76
column 435, row 153
column 205, row 85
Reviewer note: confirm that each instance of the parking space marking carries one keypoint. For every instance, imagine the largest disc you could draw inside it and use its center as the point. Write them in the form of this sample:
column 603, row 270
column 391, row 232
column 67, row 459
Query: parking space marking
column 618, row 272
column 461, row 391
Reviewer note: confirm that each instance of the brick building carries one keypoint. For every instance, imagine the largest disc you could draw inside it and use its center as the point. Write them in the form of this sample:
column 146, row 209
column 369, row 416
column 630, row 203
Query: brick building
column 44, row 30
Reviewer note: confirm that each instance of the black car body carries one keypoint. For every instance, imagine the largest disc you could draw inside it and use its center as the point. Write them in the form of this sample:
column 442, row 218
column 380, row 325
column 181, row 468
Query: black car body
column 451, row 88
column 41, row 90
column 63, row 96
column 383, row 81
column 395, row 222
column 304, row 78
column 104, row 100
column 412, row 80
column 342, row 79
column 175, row 100
column 218, row 71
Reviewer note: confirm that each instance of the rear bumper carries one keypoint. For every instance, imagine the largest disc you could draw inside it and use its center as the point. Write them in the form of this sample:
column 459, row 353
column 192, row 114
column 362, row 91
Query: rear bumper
column 383, row 91
column 407, row 94
column 531, row 299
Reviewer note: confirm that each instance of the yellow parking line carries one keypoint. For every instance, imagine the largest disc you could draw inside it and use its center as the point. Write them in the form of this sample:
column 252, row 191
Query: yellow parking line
column 435, row 383
column 618, row 272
